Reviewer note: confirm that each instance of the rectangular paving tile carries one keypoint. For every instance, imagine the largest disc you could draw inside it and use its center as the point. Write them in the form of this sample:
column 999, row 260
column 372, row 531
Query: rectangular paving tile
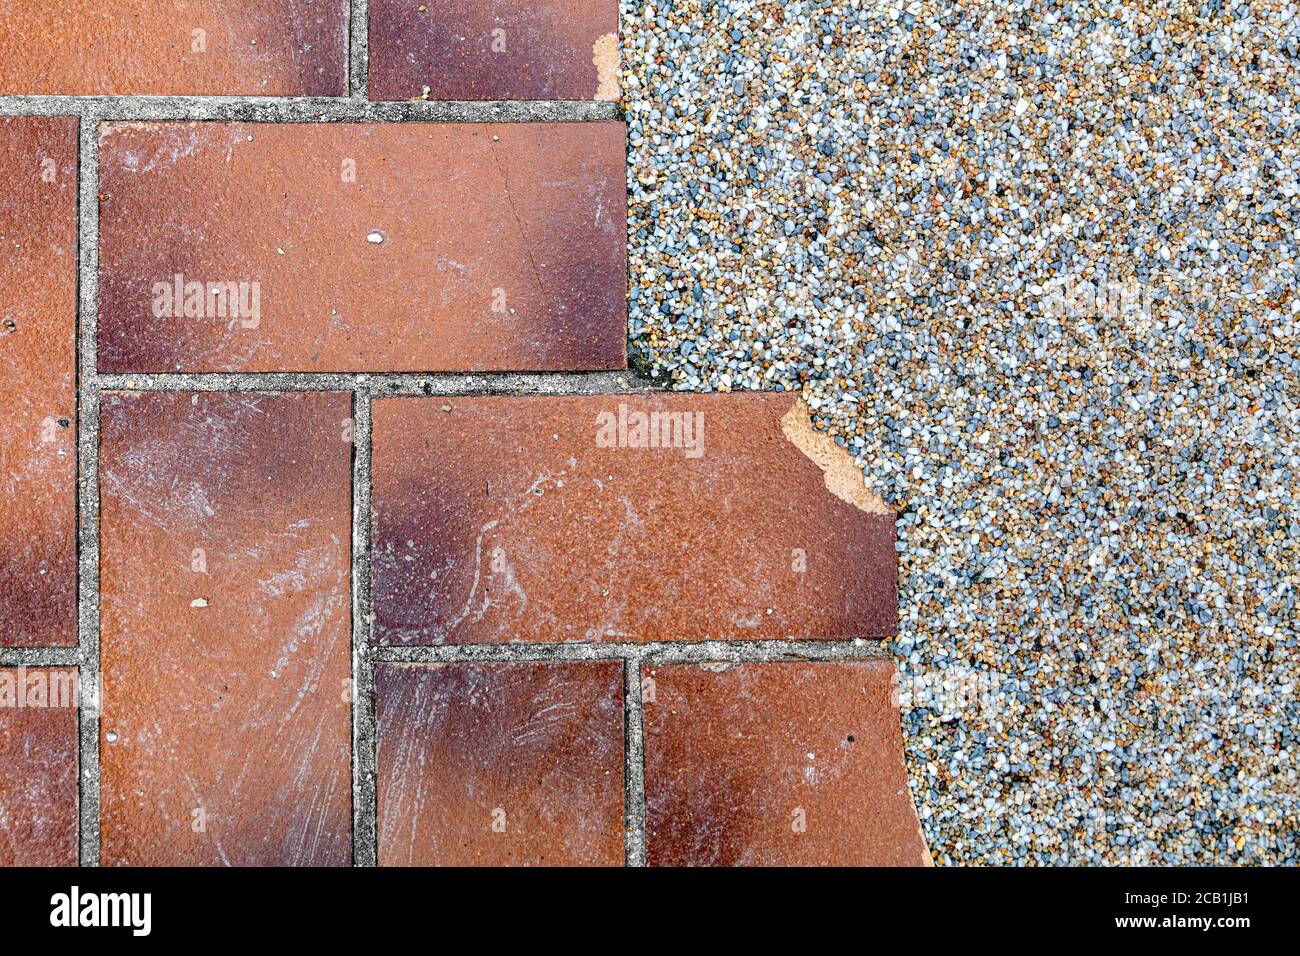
column 362, row 247
column 776, row 764
column 494, row 50
column 38, row 766
column 38, row 373
column 183, row 47
column 500, row 764
column 224, row 576
column 622, row 518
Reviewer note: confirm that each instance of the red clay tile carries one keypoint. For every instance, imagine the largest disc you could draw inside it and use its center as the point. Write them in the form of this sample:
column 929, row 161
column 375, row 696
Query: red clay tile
column 183, row 47
column 224, row 575
column 494, row 50
column 38, row 435
column 500, row 764
column 38, row 766
column 367, row 247
column 540, row 519
column 776, row 764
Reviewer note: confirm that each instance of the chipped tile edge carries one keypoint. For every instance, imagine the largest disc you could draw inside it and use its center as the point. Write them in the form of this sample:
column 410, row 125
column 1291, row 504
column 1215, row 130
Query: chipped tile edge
column 844, row 479
column 605, row 58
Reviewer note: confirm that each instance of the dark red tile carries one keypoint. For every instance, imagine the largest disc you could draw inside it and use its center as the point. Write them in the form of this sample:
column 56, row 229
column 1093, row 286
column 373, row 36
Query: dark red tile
column 494, row 50
column 38, row 766
column 38, row 434
column 500, row 764
column 472, row 247
column 777, row 764
column 224, row 576
column 182, row 47
column 538, row 519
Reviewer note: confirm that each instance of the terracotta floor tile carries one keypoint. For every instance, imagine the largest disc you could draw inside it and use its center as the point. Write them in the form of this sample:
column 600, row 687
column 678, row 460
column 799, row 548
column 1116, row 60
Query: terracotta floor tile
column 783, row 763
column 494, row 50
column 224, row 573
column 507, row 519
column 500, row 764
column 368, row 247
column 38, row 766
column 183, row 47
column 38, row 435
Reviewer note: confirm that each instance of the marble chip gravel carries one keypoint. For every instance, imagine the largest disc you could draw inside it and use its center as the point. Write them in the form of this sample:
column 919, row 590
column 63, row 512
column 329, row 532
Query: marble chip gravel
column 884, row 205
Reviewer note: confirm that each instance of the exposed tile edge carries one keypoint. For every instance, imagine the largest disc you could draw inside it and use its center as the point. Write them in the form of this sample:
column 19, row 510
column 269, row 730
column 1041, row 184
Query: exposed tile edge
column 844, row 479
column 604, row 56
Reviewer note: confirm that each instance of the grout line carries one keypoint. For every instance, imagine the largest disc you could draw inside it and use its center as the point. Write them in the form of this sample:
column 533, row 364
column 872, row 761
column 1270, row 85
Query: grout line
column 359, row 50
column 634, row 841
column 338, row 109
column 40, row 656
column 383, row 383
column 88, row 487
column 656, row 652
column 364, row 848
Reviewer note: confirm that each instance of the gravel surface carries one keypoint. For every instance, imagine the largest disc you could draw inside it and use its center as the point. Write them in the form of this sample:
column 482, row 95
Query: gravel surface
column 1034, row 264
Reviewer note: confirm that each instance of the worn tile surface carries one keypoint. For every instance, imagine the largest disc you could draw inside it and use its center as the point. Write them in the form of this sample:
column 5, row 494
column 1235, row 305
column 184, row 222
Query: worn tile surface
column 541, row 519
column 38, row 444
column 375, row 247
column 38, row 766
column 183, row 47
column 494, row 50
column 224, row 574
column 500, row 764
column 782, row 763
